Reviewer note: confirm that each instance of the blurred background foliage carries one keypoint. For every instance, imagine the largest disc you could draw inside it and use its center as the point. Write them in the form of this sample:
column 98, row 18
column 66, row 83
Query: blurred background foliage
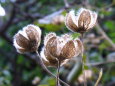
column 23, row 70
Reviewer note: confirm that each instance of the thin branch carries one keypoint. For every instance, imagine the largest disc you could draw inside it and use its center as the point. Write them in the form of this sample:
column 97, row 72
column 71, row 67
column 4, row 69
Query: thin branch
column 99, row 78
column 74, row 73
column 45, row 68
column 7, row 24
column 58, row 68
column 82, row 60
column 100, row 63
column 104, row 35
column 66, row 3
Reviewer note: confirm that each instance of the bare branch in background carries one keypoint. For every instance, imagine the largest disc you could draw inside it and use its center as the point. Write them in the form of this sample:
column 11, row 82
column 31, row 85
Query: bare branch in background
column 66, row 3
column 105, row 35
column 7, row 24
column 100, row 63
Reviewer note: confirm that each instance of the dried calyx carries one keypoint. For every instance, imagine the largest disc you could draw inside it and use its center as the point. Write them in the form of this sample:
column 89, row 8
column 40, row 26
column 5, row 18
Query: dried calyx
column 82, row 21
column 62, row 48
column 28, row 39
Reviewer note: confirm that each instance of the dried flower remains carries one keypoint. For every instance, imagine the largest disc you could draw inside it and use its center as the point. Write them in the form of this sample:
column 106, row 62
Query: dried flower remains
column 82, row 21
column 62, row 48
column 28, row 39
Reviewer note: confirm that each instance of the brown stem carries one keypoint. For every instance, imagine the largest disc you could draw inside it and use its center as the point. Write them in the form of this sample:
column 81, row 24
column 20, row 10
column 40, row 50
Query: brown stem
column 45, row 68
column 58, row 68
column 85, row 81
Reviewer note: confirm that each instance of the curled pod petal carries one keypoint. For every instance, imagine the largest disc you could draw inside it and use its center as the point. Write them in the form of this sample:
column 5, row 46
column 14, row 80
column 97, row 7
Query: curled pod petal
column 68, row 51
column 70, row 21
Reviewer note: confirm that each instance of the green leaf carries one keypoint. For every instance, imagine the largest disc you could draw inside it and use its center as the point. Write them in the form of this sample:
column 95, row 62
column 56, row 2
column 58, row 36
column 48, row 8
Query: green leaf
column 52, row 81
column 110, row 25
column 43, row 85
column 51, row 27
column 86, row 67
column 20, row 59
column 84, row 58
column 75, row 35
column 64, row 13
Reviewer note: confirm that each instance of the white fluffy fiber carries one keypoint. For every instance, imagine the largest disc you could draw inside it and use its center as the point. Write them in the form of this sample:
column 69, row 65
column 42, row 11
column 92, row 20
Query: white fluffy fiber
column 93, row 19
column 73, row 17
column 42, row 55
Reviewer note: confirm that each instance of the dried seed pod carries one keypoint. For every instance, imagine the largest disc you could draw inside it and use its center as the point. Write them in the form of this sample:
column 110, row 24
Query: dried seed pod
column 61, row 48
column 49, row 60
column 28, row 39
column 82, row 21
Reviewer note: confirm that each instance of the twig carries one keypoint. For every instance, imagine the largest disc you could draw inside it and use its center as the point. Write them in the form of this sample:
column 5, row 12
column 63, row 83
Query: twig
column 66, row 3
column 82, row 54
column 58, row 68
column 104, row 35
column 75, row 72
column 99, row 63
column 45, row 68
column 99, row 78
column 7, row 24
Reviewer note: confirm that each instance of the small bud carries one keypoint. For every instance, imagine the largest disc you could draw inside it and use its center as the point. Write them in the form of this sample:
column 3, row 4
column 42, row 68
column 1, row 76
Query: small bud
column 82, row 21
column 61, row 48
column 28, row 39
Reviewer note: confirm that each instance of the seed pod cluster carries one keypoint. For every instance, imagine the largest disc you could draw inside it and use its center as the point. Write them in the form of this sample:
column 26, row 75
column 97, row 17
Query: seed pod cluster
column 62, row 48
column 28, row 39
column 82, row 21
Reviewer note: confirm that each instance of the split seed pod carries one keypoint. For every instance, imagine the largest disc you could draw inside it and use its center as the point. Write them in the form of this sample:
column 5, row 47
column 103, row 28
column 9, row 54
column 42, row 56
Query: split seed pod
column 28, row 39
column 49, row 60
column 82, row 21
column 61, row 48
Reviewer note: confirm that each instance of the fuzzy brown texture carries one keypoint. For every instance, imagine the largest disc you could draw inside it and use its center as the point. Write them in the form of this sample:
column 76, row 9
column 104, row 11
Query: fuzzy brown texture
column 52, row 61
column 70, row 23
column 84, row 21
column 52, row 46
column 56, row 48
column 31, row 44
column 68, row 50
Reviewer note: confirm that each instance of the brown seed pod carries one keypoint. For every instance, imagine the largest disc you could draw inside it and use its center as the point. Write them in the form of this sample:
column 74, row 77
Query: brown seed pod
column 49, row 60
column 82, row 21
column 61, row 48
column 27, row 39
